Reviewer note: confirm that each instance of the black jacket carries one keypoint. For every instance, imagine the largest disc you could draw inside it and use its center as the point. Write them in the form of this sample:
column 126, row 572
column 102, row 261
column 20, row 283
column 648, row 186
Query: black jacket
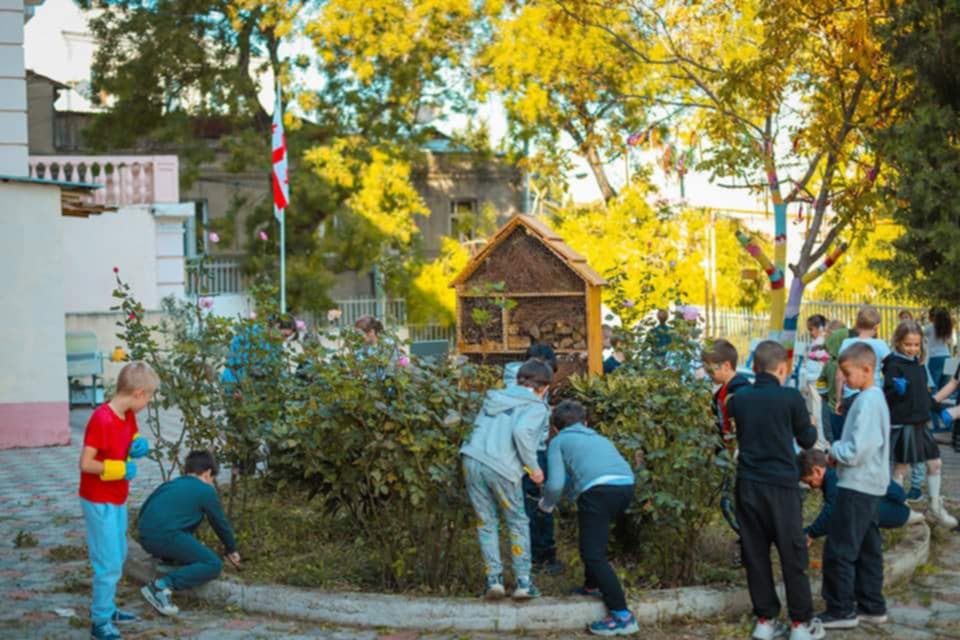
column 914, row 406
column 769, row 417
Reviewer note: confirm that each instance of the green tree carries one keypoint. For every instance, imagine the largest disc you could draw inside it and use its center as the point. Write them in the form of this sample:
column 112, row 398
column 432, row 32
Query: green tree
column 173, row 68
column 775, row 88
column 923, row 147
column 558, row 76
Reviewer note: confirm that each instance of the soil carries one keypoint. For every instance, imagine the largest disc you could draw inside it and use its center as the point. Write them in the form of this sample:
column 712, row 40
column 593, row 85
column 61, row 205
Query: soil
column 525, row 265
column 474, row 334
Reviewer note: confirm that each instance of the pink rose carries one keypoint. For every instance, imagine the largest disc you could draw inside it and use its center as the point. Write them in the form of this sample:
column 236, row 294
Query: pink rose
column 301, row 325
column 263, row 236
column 253, row 315
column 690, row 313
column 214, row 237
column 132, row 316
column 403, row 361
column 116, row 269
column 206, row 303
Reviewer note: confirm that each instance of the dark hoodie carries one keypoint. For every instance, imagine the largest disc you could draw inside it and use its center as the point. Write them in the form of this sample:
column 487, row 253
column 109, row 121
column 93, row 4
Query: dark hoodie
column 769, row 417
column 913, row 407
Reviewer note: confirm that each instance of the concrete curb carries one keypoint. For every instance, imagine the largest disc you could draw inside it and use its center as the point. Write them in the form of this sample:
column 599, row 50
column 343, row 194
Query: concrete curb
column 467, row 614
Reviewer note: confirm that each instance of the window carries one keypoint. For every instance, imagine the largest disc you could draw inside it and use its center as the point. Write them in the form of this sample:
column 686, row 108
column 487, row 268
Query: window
column 463, row 219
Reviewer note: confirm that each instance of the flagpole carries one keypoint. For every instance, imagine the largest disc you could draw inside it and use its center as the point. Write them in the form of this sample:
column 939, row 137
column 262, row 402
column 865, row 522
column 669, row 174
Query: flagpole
column 283, row 261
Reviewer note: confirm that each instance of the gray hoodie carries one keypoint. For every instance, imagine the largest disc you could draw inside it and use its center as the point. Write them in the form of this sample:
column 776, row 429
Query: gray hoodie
column 510, row 371
column 507, row 431
column 863, row 451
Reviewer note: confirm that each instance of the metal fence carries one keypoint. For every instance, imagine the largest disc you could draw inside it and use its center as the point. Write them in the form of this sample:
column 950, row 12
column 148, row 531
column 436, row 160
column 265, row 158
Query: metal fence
column 220, row 276
column 390, row 311
column 430, row 332
column 740, row 327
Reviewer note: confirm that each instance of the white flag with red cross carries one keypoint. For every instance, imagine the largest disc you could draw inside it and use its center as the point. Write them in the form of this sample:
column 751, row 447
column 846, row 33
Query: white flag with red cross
column 281, row 186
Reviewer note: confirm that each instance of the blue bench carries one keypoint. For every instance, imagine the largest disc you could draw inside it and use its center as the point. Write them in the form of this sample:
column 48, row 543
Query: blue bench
column 437, row 349
column 84, row 361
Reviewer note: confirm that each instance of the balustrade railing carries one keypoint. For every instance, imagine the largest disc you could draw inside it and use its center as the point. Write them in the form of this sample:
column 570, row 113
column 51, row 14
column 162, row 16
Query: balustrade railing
column 125, row 180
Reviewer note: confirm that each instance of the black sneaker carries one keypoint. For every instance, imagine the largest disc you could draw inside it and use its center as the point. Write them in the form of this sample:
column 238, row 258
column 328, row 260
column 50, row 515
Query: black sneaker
column 839, row 621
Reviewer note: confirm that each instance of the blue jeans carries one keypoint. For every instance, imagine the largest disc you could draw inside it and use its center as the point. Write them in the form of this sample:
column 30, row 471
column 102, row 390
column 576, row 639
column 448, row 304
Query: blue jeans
column 490, row 492
column 107, row 546
column 201, row 564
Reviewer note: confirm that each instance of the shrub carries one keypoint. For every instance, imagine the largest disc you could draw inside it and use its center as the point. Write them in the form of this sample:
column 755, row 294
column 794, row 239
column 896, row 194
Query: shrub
column 379, row 439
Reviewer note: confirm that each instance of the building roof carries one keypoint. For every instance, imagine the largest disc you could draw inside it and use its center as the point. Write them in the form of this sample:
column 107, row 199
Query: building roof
column 73, row 200
column 547, row 236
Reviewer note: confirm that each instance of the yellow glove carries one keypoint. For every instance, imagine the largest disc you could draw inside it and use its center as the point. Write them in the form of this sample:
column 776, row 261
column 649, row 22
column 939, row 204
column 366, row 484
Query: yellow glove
column 113, row 470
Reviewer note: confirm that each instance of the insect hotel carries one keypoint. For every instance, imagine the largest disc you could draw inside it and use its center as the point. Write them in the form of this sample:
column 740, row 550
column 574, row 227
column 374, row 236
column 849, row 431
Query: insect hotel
column 526, row 286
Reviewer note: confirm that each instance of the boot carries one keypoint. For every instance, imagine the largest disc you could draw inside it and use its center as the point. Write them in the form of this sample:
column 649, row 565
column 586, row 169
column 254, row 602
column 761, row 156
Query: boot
column 937, row 514
column 915, row 517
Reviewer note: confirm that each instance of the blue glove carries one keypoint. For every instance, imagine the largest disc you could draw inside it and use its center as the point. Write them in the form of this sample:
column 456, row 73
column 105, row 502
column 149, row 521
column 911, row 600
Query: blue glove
column 900, row 385
column 131, row 471
column 139, row 447
column 946, row 417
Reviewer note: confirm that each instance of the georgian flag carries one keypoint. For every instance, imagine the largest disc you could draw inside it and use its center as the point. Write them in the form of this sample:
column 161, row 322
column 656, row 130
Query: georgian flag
column 281, row 187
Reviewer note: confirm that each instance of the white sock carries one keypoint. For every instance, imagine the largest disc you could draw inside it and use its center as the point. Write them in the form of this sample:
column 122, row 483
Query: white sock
column 933, row 485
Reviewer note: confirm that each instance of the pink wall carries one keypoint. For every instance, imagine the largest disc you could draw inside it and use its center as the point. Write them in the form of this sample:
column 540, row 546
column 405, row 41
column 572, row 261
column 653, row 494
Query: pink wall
column 34, row 424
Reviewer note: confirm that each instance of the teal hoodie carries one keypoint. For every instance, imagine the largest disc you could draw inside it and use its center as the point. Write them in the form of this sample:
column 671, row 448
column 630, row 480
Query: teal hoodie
column 579, row 459
column 507, row 431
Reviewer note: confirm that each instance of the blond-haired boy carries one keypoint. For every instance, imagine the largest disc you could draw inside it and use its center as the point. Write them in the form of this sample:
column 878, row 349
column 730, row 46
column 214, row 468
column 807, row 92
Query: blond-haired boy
column 110, row 440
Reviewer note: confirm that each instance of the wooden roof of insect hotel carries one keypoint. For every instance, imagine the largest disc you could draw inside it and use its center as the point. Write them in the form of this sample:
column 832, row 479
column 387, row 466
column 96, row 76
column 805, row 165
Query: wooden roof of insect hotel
column 547, row 237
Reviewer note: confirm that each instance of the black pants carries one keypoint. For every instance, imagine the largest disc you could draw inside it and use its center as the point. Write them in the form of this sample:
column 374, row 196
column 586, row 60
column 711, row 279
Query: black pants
column 772, row 515
column 543, row 546
column 853, row 556
column 597, row 508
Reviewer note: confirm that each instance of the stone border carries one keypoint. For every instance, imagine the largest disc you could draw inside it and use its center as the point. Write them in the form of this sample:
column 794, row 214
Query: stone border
column 470, row 614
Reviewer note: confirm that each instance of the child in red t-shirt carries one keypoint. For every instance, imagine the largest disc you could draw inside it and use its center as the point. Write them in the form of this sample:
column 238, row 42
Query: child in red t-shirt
column 106, row 470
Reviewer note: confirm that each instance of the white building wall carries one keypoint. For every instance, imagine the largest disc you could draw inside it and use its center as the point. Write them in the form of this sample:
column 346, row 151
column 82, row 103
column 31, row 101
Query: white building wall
column 146, row 247
column 32, row 345
column 93, row 246
column 13, row 91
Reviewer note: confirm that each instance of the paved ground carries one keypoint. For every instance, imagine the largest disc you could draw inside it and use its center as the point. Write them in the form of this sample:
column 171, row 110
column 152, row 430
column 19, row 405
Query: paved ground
column 45, row 581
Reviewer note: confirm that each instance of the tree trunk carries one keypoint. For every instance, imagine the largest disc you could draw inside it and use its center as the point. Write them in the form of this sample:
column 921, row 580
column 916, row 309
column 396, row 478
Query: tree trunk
column 599, row 173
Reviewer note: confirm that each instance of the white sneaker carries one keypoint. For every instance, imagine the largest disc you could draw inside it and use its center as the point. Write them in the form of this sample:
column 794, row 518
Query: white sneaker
column 937, row 514
column 915, row 517
column 769, row 630
column 870, row 618
column 812, row 630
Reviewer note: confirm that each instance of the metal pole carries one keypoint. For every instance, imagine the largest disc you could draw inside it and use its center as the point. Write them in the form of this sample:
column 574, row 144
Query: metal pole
column 283, row 261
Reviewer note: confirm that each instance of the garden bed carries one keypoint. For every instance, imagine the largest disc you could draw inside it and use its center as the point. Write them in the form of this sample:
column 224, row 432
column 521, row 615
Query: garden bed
column 473, row 614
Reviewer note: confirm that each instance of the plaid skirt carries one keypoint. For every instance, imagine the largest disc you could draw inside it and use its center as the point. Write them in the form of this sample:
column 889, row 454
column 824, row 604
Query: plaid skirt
column 913, row 443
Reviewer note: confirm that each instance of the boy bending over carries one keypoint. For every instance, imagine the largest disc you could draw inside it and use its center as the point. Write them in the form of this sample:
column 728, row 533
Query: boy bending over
column 168, row 520
column 601, row 482
column 502, row 445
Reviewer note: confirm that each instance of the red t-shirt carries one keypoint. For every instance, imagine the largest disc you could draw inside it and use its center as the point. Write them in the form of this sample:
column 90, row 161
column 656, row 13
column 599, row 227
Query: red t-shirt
column 111, row 437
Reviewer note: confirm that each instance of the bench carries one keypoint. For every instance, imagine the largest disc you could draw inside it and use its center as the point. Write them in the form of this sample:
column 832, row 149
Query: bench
column 437, row 349
column 84, row 360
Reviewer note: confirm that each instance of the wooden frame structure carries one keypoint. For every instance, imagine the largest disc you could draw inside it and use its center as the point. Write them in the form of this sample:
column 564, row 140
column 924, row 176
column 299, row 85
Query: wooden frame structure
column 555, row 298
